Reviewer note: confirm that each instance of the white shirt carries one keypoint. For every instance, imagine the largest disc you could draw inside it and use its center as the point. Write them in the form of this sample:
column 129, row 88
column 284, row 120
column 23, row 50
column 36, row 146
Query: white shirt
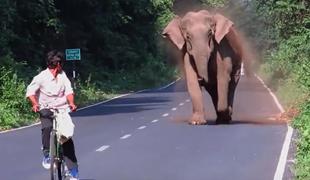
column 50, row 91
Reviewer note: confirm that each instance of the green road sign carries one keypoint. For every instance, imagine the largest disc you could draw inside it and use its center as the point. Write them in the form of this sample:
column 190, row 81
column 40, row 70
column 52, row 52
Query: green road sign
column 73, row 54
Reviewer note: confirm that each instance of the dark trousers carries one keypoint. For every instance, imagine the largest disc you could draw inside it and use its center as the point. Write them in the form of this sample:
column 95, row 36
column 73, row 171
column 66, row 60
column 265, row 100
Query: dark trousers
column 67, row 147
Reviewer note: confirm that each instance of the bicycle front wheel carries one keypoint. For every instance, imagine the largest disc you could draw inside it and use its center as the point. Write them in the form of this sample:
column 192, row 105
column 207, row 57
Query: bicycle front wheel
column 56, row 169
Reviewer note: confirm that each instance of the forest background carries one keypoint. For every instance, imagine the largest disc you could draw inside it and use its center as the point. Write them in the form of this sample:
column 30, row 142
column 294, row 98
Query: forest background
column 122, row 51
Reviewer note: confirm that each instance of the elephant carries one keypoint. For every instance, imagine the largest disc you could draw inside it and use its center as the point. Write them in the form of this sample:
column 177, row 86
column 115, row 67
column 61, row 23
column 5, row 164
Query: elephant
column 211, row 54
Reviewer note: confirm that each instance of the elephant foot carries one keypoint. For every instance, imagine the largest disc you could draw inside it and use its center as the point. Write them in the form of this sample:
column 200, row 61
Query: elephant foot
column 223, row 118
column 197, row 120
column 223, row 121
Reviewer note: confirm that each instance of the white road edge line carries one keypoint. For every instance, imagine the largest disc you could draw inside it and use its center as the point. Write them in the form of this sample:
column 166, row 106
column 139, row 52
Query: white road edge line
column 125, row 136
column 283, row 156
column 38, row 123
column 287, row 141
column 272, row 95
column 168, row 84
column 102, row 148
column 20, row 128
column 141, row 127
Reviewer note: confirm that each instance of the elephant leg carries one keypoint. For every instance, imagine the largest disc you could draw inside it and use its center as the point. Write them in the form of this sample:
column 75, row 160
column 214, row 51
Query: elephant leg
column 232, row 88
column 194, row 89
column 223, row 85
column 212, row 90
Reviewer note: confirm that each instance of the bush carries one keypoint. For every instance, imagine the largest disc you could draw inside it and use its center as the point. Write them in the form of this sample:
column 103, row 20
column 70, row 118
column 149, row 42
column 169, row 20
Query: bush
column 15, row 110
column 302, row 123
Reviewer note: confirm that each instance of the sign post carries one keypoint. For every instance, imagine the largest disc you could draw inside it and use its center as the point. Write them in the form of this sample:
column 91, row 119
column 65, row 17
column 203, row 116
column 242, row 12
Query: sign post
column 73, row 55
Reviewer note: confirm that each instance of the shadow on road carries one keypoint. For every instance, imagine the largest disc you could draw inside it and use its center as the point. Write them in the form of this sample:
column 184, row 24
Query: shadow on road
column 124, row 105
column 249, row 120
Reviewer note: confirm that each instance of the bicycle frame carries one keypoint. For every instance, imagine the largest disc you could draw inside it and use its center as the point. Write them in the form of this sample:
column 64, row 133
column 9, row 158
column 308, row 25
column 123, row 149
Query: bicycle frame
column 57, row 169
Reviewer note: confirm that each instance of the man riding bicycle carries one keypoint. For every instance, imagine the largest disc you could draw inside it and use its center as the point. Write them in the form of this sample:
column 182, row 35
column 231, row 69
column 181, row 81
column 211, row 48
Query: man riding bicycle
column 51, row 88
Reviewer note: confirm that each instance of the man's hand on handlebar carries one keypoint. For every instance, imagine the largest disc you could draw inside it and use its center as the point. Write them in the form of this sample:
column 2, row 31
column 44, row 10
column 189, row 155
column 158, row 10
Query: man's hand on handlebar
column 73, row 107
column 35, row 108
column 34, row 102
column 70, row 98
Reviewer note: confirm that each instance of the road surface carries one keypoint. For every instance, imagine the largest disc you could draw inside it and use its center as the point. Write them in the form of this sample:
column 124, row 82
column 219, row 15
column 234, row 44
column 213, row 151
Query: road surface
column 144, row 136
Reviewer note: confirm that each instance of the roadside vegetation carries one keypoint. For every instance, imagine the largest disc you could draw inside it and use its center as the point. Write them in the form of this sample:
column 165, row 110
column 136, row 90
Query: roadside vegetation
column 118, row 41
column 122, row 51
column 286, row 68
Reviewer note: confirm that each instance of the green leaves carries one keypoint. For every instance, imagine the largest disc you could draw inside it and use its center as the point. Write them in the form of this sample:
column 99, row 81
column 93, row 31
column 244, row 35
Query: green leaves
column 214, row 3
column 302, row 123
column 288, row 16
column 15, row 111
column 289, row 61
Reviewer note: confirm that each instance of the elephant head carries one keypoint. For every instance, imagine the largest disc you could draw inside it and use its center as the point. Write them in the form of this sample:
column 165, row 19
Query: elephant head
column 196, row 34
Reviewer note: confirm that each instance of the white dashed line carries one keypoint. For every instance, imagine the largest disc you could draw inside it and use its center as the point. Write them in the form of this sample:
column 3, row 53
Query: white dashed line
column 155, row 120
column 187, row 100
column 125, row 136
column 174, row 109
column 165, row 115
column 181, row 104
column 141, row 127
column 102, row 148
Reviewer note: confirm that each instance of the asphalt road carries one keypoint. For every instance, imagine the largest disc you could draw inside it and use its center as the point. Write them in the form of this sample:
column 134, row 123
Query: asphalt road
column 144, row 136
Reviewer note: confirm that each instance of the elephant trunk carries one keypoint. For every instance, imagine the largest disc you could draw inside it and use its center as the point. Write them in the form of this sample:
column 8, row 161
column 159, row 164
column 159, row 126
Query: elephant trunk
column 202, row 67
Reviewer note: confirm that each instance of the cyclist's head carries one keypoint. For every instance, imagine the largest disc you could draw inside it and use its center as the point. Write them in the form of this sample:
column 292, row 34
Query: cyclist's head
column 54, row 58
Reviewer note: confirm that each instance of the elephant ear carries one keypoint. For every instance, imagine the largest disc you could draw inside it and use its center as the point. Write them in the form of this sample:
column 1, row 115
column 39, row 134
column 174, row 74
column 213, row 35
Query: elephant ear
column 222, row 27
column 173, row 32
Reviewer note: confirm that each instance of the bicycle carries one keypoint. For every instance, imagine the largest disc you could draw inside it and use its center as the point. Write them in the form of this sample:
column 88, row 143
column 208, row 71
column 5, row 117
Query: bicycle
column 57, row 169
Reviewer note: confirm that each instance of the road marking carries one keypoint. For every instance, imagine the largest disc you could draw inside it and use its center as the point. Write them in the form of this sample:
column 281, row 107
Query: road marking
column 155, row 120
column 181, row 104
column 272, row 94
column 187, row 100
column 174, row 109
column 20, row 128
column 242, row 69
column 102, row 148
column 286, row 144
column 165, row 115
column 125, row 136
column 129, row 104
column 168, row 84
column 141, row 127
column 283, row 156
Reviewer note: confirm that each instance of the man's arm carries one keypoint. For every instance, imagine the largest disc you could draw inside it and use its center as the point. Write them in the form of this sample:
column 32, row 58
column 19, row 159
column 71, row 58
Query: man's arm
column 34, row 102
column 69, row 92
column 32, row 88
column 70, row 99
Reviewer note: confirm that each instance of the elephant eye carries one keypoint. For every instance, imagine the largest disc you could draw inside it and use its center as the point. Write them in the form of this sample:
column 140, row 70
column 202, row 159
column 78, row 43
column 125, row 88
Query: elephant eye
column 188, row 36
